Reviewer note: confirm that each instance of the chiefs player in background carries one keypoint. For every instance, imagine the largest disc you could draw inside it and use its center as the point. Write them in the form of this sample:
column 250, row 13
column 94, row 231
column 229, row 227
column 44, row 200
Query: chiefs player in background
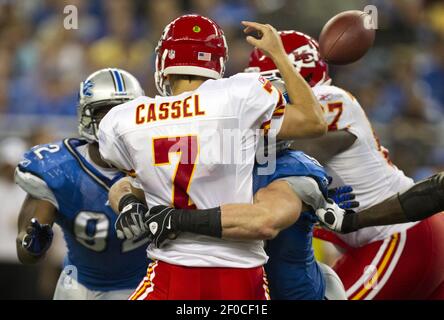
column 402, row 261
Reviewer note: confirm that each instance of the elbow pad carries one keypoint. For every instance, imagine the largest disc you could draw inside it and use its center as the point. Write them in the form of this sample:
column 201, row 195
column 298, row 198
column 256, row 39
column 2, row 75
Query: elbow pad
column 308, row 191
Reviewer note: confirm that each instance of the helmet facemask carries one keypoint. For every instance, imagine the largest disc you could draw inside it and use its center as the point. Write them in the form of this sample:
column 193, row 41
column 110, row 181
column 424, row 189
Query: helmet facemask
column 90, row 116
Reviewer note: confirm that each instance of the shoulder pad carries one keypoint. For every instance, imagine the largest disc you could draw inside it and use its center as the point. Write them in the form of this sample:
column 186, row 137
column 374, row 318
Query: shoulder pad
column 47, row 161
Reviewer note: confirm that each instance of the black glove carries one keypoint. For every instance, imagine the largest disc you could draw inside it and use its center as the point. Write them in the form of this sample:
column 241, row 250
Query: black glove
column 38, row 238
column 161, row 224
column 130, row 223
column 136, row 221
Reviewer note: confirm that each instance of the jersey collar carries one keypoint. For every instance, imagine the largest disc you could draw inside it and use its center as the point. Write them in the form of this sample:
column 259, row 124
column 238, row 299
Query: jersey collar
column 71, row 145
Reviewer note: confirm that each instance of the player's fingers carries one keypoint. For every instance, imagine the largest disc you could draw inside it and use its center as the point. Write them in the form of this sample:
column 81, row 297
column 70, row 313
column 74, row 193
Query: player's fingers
column 345, row 189
column 346, row 197
column 249, row 30
column 128, row 225
column 128, row 233
column 120, row 234
column 135, row 230
column 353, row 204
column 135, row 223
column 255, row 25
column 253, row 41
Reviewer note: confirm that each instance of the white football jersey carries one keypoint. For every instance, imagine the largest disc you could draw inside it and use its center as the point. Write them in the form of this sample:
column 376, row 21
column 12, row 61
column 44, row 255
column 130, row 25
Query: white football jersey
column 196, row 149
column 365, row 166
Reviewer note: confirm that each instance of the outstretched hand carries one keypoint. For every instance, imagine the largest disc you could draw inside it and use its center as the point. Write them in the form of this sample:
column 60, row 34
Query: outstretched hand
column 268, row 40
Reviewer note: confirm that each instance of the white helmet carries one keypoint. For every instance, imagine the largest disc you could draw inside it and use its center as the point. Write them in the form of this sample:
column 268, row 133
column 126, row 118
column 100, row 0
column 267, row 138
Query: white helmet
column 101, row 91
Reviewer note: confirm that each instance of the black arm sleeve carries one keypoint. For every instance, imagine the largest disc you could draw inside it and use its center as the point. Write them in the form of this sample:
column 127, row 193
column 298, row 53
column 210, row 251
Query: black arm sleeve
column 206, row 222
column 424, row 199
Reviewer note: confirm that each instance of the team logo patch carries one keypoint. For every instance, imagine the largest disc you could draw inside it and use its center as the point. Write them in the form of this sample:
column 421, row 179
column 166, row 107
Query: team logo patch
column 153, row 227
column 171, row 54
column 86, row 88
column 325, row 97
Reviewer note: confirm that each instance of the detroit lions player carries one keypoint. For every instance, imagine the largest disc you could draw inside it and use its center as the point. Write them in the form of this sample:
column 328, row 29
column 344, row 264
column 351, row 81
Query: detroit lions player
column 67, row 183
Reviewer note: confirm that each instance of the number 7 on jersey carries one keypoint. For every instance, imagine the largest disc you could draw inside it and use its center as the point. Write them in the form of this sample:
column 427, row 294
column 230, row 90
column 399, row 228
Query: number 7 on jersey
column 188, row 149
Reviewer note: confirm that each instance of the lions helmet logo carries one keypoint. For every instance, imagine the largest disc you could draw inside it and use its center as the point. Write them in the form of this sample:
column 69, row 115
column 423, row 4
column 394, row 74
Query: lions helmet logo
column 86, row 88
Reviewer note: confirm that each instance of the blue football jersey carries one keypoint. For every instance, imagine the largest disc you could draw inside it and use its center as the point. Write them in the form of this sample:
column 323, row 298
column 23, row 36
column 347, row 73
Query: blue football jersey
column 103, row 261
column 292, row 269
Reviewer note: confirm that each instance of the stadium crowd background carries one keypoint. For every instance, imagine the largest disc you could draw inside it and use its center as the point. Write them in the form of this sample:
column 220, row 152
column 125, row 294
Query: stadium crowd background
column 400, row 82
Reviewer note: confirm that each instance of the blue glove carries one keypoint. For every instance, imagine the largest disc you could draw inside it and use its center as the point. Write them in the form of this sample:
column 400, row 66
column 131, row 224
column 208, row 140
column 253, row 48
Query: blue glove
column 344, row 197
column 38, row 238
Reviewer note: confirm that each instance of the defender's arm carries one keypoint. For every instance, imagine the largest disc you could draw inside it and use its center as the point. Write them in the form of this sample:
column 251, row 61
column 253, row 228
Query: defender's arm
column 37, row 236
column 421, row 201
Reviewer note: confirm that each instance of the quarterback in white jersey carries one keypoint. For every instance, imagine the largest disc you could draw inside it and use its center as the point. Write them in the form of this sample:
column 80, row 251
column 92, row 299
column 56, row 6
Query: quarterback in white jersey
column 180, row 150
column 370, row 268
column 173, row 144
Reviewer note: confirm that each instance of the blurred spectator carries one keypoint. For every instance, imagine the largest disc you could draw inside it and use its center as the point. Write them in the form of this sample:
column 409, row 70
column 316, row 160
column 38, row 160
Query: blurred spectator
column 14, row 277
column 11, row 152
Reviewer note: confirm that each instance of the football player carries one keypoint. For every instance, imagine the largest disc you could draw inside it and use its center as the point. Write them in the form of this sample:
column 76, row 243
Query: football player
column 67, row 183
column 172, row 145
column 378, row 261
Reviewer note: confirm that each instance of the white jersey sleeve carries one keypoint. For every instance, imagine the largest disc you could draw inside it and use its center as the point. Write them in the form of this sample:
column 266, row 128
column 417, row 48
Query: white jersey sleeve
column 111, row 148
column 258, row 102
column 339, row 108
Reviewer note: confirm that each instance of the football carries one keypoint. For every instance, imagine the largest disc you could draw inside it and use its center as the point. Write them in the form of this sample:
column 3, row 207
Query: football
column 346, row 37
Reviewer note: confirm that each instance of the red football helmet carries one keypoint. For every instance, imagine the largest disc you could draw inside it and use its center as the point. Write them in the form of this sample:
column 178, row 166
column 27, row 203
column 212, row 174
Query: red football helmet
column 302, row 50
column 191, row 45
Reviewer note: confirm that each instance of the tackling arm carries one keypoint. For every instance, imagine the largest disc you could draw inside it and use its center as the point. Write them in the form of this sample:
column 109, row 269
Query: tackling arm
column 275, row 208
column 34, row 229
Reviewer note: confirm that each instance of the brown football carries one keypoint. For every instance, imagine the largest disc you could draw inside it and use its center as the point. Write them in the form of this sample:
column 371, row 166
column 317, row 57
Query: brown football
column 345, row 37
